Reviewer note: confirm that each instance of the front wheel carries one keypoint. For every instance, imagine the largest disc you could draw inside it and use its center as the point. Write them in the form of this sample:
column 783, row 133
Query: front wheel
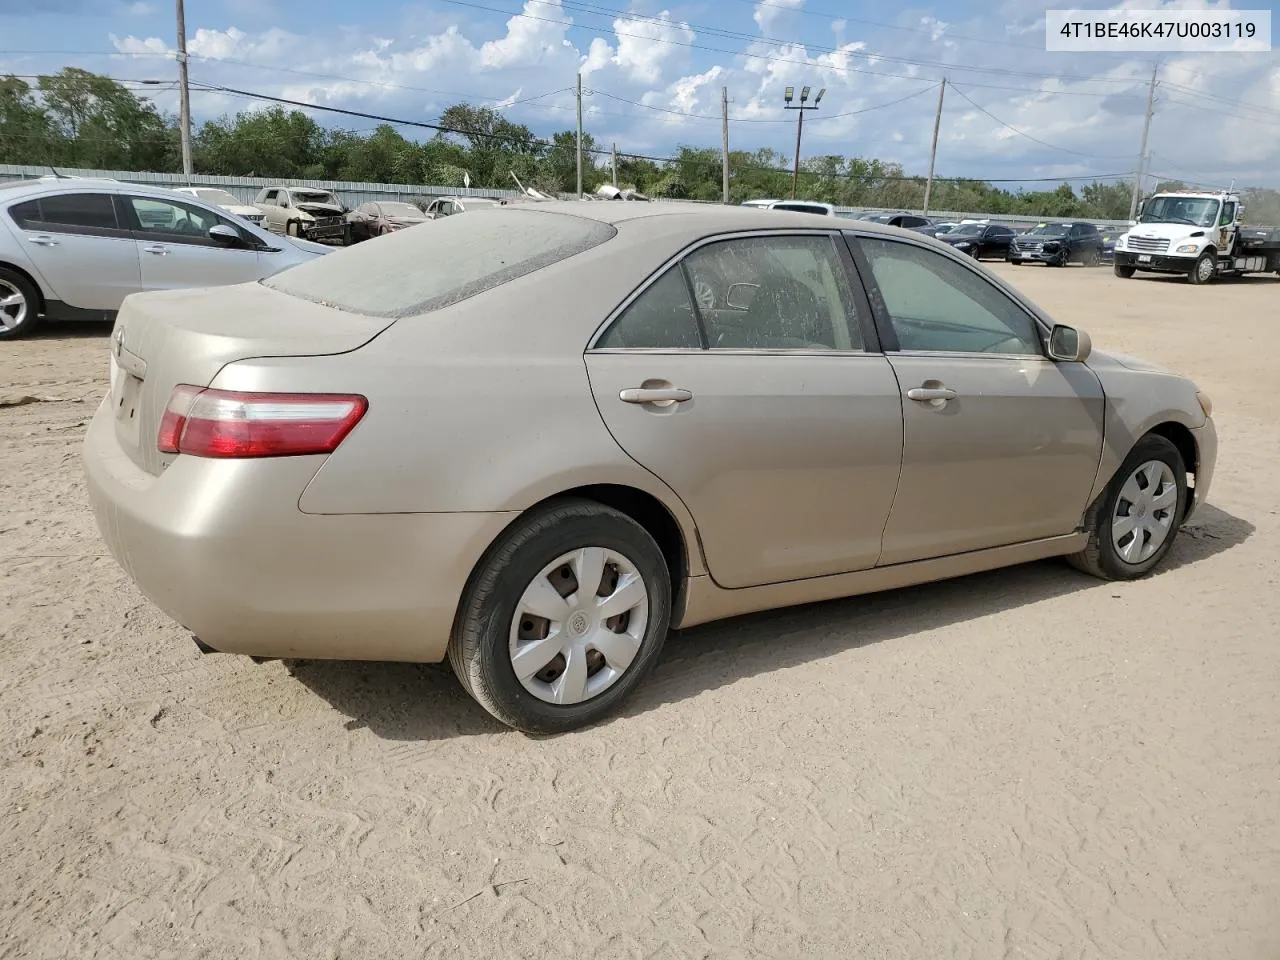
column 563, row 619
column 1134, row 522
column 293, row 229
column 1090, row 258
column 1203, row 269
column 1124, row 273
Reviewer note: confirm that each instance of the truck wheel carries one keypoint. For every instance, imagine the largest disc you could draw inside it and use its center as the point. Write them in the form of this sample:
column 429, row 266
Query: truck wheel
column 1204, row 268
column 1124, row 273
column 292, row 229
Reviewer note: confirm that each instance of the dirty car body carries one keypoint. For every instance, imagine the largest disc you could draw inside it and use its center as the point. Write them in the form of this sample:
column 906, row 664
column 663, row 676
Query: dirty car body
column 736, row 410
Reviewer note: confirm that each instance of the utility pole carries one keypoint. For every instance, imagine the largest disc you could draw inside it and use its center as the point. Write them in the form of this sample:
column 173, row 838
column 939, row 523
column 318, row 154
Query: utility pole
column 615, row 164
column 787, row 95
column 579, row 136
column 1142, row 153
column 724, row 139
column 933, row 151
column 185, row 89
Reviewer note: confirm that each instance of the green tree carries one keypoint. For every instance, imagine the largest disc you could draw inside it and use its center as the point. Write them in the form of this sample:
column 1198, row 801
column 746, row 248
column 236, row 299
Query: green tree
column 27, row 133
column 266, row 143
column 103, row 125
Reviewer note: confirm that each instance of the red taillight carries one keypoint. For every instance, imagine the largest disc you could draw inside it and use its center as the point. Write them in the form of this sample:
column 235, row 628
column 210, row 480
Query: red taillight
column 203, row 422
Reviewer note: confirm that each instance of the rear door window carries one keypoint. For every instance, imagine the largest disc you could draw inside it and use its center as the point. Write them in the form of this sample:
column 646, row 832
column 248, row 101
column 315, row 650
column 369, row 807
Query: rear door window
column 90, row 213
column 414, row 272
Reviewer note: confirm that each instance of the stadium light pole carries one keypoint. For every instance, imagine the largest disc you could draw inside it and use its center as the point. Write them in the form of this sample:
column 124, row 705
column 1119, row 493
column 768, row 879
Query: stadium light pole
column 788, row 96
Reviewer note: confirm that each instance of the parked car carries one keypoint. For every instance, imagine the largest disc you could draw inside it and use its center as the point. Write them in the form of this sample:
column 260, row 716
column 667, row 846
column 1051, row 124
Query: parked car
column 74, row 249
column 1109, row 236
column 381, row 217
column 540, row 454
column 908, row 220
column 980, row 241
column 448, row 206
column 299, row 211
column 224, row 201
column 1058, row 244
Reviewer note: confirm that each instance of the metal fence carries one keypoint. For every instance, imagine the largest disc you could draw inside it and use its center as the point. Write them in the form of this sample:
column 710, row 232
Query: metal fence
column 354, row 194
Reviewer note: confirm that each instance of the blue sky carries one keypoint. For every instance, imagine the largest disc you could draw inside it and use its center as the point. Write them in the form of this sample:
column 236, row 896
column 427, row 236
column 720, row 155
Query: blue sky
column 654, row 70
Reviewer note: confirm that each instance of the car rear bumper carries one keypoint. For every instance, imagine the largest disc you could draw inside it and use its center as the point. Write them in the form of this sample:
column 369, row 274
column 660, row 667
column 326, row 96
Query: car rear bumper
column 1154, row 261
column 222, row 548
column 1206, row 439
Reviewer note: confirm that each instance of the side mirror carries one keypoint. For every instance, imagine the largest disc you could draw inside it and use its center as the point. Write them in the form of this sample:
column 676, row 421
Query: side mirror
column 224, row 234
column 1069, row 345
column 740, row 295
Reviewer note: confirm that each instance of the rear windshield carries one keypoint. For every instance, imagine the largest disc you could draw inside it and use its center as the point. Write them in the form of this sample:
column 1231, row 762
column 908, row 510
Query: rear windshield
column 444, row 261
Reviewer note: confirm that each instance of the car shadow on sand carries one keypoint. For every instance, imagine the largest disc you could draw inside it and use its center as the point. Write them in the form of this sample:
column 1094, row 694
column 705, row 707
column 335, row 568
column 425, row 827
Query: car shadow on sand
column 72, row 330
column 399, row 701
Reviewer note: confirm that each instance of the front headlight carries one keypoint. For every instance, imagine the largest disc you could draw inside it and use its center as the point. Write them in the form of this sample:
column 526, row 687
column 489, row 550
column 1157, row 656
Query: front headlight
column 1205, row 403
column 1188, row 248
column 964, row 246
column 1119, row 243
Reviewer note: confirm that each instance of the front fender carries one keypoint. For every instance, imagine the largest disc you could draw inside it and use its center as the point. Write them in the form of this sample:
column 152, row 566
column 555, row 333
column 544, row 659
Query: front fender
column 1140, row 397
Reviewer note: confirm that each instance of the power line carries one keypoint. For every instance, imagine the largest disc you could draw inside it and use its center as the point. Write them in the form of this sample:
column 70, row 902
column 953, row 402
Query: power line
column 1023, row 133
column 702, row 116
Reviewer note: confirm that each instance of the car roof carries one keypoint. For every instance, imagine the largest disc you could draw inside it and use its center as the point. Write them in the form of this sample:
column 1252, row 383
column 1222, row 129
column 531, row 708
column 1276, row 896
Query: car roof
column 639, row 221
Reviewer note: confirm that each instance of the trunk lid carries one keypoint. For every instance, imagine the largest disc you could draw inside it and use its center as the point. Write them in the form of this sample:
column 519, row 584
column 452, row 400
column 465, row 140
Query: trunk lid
column 162, row 339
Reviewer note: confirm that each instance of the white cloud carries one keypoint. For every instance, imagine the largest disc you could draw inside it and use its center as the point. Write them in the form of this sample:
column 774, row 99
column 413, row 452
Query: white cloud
column 647, row 59
column 768, row 12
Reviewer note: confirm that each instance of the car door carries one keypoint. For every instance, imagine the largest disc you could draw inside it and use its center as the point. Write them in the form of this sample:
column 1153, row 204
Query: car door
column 1001, row 444
column 176, row 251
column 771, row 412
column 77, row 241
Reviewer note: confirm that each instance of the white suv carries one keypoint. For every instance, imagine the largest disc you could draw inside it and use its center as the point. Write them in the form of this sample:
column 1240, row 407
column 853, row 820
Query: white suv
column 74, row 249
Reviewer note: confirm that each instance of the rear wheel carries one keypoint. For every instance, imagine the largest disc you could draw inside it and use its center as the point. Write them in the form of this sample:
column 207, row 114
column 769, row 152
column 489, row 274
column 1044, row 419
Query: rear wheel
column 1090, row 258
column 1204, row 268
column 563, row 619
column 1133, row 524
column 1124, row 273
column 19, row 305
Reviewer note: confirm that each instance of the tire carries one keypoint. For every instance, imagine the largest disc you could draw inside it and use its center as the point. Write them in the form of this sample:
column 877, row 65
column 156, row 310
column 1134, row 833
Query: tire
column 292, row 229
column 20, row 305
column 487, row 633
column 1016, row 263
column 1124, row 273
column 1090, row 258
column 1101, row 556
column 1199, row 274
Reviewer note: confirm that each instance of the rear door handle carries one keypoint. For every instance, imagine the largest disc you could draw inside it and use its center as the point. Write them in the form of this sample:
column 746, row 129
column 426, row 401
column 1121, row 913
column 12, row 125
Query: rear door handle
column 43, row 241
column 654, row 395
column 158, row 249
column 929, row 394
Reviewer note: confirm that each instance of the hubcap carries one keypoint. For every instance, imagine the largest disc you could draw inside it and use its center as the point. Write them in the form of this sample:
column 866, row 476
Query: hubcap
column 1144, row 512
column 579, row 625
column 13, row 306
column 1205, row 268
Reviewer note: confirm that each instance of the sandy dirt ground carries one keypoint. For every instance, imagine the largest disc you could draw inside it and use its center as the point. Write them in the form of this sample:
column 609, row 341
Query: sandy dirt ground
column 1025, row 764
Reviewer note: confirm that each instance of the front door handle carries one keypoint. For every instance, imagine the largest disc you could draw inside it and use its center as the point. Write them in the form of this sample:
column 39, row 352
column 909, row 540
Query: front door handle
column 654, row 395
column 43, row 241
column 158, row 249
column 930, row 394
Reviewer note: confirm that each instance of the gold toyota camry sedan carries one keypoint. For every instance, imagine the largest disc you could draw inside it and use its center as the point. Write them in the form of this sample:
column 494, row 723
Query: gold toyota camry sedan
column 535, row 438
